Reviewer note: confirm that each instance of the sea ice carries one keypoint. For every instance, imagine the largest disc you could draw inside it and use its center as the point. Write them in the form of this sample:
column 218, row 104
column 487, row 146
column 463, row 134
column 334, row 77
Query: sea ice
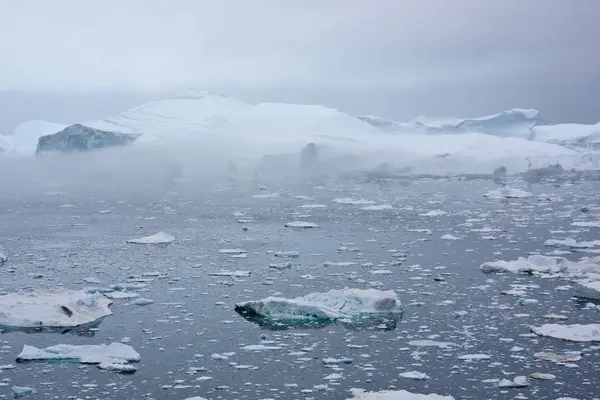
column 157, row 238
column 573, row 333
column 361, row 394
column 377, row 207
column 354, row 202
column 570, row 242
column 416, row 375
column 114, row 353
column 354, row 306
column 52, row 308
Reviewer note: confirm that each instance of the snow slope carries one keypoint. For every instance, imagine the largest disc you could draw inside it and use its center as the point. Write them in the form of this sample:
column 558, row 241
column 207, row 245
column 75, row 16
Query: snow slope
column 511, row 123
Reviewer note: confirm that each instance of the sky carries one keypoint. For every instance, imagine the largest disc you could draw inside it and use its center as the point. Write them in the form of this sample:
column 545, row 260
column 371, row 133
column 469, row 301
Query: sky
column 71, row 60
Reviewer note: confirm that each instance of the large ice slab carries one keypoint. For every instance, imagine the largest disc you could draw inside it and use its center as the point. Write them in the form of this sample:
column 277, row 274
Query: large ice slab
column 52, row 309
column 355, row 307
column 572, row 333
column 360, row 394
column 113, row 356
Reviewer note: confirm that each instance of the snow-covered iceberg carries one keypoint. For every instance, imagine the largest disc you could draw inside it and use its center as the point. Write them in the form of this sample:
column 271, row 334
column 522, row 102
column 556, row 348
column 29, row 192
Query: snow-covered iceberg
column 579, row 136
column 82, row 138
column 52, row 309
column 351, row 307
column 115, row 356
column 360, row 394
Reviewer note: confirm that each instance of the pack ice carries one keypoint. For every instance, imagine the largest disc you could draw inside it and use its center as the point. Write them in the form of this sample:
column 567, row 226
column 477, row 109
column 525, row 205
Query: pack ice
column 52, row 309
column 350, row 306
column 114, row 356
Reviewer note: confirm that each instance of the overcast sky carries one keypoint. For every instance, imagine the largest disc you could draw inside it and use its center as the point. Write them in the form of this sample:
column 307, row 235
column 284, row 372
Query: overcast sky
column 68, row 60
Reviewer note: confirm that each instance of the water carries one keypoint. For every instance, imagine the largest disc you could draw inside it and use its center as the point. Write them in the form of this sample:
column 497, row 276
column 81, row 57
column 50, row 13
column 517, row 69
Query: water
column 446, row 297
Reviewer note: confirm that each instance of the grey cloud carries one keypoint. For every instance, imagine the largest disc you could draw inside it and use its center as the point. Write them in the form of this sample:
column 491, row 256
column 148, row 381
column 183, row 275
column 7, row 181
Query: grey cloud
column 476, row 54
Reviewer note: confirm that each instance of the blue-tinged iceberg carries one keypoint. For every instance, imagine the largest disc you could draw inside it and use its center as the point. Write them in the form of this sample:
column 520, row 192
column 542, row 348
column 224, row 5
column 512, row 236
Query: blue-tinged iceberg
column 79, row 137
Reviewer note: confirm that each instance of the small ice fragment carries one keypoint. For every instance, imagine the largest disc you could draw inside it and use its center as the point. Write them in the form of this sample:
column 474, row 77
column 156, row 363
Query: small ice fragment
column 232, row 251
column 518, row 382
column 21, row 391
column 542, row 376
column 469, row 357
column 142, row 302
column 361, row 394
column 157, row 238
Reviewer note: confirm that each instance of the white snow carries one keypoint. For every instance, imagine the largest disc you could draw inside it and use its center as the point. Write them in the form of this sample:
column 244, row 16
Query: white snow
column 52, row 308
column 114, row 353
column 573, row 333
column 329, row 306
column 507, row 193
column 157, row 238
column 361, row 394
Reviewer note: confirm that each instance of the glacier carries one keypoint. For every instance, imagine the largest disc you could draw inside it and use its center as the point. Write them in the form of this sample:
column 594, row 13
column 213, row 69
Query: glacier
column 351, row 307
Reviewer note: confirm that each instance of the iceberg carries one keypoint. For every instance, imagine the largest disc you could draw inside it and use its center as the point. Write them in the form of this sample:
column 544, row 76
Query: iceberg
column 114, row 356
column 52, row 309
column 361, row 394
column 351, row 307
column 82, row 138
column 579, row 136
column 572, row 333
column 25, row 137
column 157, row 238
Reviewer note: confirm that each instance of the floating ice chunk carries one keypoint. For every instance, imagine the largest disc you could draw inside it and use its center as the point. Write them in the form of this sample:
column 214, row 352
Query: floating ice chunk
column 354, row 202
column 313, row 206
column 195, row 398
column 471, row 357
column 571, row 356
column 114, row 353
column 287, row 254
column 431, row 343
column 118, row 367
column 232, row 251
column 266, row 196
column 301, row 224
column 507, row 193
column 572, row 333
column 518, row 382
column 532, row 264
column 142, row 302
column 157, row 238
column 3, row 257
column 260, row 347
column 449, row 237
column 52, row 309
column 416, row 375
column 433, row 213
column 330, row 360
column 351, row 306
column 570, row 242
column 378, row 207
column 541, row 376
column 361, row 394
column 121, row 295
column 21, row 391
column 233, row 274
column 587, row 224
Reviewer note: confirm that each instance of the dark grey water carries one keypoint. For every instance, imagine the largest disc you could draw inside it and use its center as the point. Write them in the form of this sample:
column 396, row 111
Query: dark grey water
column 446, row 297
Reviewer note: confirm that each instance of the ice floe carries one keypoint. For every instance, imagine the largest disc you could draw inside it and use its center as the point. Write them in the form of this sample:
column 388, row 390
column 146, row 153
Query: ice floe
column 301, row 224
column 157, row 238
column 350, row 306
column 532, row 264
column 112, row 356
column 52, row 308
column 572, row 333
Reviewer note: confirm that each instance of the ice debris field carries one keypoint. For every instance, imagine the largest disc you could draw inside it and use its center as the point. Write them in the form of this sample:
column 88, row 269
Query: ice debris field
column 441, row 275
